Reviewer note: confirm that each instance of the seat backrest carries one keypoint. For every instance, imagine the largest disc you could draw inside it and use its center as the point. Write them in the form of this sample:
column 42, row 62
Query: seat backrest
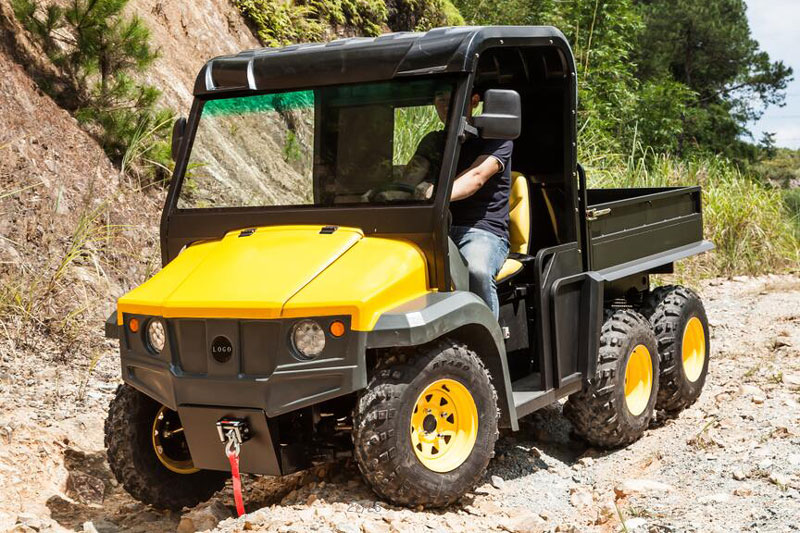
column 519, row 215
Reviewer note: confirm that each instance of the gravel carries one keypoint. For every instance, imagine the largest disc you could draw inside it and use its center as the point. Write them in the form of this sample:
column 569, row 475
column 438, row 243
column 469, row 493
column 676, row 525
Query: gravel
column 725, row 464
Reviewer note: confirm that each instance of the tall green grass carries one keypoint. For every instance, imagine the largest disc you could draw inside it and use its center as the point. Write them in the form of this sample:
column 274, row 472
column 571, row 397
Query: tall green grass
column 411, row 124
column 750, row 222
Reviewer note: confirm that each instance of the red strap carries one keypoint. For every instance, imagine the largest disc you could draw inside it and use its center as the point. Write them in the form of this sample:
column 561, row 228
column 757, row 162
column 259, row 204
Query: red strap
column 237, row 482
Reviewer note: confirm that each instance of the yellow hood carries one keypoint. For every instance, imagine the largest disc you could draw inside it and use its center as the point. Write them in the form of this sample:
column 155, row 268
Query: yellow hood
column 287, row 271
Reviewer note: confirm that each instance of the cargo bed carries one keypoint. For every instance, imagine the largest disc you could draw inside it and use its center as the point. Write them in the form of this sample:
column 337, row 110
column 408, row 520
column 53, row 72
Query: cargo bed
column 629, row 226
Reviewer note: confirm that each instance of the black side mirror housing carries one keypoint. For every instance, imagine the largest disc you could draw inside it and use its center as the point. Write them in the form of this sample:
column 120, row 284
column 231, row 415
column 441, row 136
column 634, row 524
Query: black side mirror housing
column 502, row 115
column 178, row 129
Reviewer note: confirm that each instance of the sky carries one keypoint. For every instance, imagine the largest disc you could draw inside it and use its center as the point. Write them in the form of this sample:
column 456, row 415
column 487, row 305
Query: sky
column 775, row 24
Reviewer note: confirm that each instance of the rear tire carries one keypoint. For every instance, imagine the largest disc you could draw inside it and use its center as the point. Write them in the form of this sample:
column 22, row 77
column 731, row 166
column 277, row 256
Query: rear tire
column 680, row 324
column 132, row 456
column 409, row 446
column 618, row 404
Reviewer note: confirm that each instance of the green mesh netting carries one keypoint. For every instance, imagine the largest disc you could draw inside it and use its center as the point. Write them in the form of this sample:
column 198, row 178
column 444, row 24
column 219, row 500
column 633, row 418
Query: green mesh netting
column 260, row 103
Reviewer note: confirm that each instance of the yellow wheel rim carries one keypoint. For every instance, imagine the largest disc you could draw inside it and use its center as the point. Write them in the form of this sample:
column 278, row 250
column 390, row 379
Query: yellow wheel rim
column 444, row 425
column 693, row 349
column 169, row 442
column 638, row 380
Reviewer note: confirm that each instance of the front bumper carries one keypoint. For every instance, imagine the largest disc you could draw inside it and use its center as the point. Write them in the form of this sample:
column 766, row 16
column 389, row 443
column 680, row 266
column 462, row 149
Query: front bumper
column 261, row 380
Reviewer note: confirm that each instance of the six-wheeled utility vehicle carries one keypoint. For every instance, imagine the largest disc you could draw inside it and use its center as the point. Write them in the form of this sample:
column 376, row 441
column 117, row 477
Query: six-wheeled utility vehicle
column 311, row 299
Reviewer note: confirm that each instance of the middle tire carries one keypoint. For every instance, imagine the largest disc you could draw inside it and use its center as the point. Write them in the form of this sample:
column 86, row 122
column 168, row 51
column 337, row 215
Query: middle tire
column 425, row 427
column 617, row 406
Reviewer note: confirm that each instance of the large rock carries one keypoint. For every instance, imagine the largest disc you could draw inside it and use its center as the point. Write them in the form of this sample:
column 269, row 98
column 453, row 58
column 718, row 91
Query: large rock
column 85, row 488
column 523, row 521
column 202, row 518
column 641, row 486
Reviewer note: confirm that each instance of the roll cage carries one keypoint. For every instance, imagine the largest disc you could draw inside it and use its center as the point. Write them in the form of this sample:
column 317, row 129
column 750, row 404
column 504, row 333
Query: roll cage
column 536, row 62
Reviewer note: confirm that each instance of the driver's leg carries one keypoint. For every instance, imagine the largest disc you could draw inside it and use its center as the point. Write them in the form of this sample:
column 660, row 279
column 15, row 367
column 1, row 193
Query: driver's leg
column 485, row 254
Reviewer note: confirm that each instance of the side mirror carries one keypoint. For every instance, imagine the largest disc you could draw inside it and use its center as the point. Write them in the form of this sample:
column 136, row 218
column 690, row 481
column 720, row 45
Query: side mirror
column 502, row 115
column 177, row 136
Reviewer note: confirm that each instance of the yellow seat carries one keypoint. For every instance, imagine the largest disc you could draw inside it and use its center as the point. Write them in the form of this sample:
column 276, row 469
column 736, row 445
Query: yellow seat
column 519, row 224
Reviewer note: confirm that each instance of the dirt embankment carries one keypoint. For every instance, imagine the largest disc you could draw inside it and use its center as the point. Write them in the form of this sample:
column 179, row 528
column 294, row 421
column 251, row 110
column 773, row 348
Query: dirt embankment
column 731, row 462
column 188, row 34
column 74, row 235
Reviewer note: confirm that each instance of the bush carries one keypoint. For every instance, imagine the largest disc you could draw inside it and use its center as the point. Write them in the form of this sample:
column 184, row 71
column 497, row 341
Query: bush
column 282, row 22
column 96, row 51
column 422, row 15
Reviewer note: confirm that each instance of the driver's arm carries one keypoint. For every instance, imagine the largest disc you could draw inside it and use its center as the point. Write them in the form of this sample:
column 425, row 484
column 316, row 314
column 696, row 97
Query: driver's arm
column 472, row 179
column 469, row 181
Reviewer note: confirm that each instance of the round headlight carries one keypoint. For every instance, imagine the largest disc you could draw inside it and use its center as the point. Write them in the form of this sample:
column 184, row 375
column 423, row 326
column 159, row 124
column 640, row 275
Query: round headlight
column 156, row 335
column 308, row 338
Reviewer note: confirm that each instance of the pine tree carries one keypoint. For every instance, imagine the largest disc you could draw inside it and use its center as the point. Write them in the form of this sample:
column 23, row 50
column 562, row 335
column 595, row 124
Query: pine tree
column 98, row 52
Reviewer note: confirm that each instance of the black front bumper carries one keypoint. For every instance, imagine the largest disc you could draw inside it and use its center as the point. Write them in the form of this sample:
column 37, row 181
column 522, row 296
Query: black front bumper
column 261, row 379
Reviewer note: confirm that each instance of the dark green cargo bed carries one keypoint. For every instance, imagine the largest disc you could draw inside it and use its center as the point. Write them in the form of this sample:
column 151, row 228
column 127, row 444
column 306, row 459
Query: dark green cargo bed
column 647, row 224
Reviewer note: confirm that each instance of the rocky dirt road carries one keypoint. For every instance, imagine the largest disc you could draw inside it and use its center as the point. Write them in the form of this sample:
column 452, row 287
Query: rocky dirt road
column 729, row 463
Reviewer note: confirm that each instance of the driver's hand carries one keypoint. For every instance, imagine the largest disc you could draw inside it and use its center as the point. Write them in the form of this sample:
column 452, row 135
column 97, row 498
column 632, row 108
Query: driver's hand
column 423, row 191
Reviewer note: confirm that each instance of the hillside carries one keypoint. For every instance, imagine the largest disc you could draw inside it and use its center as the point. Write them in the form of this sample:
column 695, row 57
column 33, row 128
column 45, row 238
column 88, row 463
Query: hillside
column 75, row 234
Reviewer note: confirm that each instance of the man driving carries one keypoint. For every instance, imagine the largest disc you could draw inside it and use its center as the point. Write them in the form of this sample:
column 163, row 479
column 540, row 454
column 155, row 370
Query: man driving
column 478, row 201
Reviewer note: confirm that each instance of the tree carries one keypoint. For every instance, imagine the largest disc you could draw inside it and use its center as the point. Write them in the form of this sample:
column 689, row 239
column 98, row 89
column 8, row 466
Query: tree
column 603, row 34
column 707, row 46
column 98, row 52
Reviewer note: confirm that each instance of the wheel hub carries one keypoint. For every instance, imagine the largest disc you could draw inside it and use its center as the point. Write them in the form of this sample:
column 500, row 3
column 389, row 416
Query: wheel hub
column 169, row 442
column 444, row 425
column 693, row 349
column 638, row 380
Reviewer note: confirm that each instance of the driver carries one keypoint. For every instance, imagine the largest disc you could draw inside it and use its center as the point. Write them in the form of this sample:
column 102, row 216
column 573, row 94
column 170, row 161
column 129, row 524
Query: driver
column 478, row 201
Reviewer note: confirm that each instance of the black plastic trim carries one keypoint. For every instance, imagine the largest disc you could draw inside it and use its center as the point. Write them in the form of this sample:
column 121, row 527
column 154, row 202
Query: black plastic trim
column 434, row 315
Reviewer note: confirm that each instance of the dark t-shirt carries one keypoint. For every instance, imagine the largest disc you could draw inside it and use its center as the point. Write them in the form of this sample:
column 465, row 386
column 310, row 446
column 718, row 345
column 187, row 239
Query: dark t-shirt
column 487, row 209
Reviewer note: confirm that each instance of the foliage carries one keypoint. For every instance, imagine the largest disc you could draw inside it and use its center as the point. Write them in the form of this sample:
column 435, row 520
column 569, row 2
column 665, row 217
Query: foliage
column 601, row 34
column 422, row 15
column 660, row 113
column 781, row 166
column 707, row 46
column 97, row 50
column 279, row 23
column 791, row 198
column 680, row 75
column 368, row 16
column 411, row 124
column 282, row 22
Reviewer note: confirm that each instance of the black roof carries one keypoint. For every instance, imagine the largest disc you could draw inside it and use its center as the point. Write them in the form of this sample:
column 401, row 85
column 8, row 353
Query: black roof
column 361, row 59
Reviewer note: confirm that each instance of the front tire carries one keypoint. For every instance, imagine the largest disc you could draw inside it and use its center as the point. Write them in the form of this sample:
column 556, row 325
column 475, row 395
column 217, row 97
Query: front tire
column 425, row 427
column 618, row 404
column 679, row 321
column 150, row 458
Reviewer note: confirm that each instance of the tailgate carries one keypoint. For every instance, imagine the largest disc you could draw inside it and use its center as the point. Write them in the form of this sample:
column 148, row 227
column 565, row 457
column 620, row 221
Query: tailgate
column 631, row 224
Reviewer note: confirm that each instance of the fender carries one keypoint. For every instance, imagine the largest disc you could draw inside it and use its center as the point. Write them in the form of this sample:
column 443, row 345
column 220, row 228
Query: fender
column 650, row 262
column 463, row 315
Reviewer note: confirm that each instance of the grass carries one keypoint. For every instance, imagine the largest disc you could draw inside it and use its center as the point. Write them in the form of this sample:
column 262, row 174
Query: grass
column 146, row 156
column 42, row 298
column 411, row 125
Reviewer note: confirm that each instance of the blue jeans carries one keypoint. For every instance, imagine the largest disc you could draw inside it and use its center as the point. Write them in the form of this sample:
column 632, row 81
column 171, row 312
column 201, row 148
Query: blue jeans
column 485, row 254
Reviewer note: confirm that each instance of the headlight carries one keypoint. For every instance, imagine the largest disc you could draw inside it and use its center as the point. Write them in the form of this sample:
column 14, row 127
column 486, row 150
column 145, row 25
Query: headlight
column 308, row 338
column 156, row 335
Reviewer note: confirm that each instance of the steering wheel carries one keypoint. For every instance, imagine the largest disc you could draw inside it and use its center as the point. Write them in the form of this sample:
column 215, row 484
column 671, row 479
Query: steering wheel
column 391, row 186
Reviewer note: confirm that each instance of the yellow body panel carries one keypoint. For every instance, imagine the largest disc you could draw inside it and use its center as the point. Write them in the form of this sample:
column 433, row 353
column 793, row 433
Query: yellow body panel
column 373, row 276
column 284, row 271
column 239, row 277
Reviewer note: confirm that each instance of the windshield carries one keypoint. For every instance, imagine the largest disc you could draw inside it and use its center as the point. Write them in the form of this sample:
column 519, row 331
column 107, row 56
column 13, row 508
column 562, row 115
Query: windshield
column 376, row 143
